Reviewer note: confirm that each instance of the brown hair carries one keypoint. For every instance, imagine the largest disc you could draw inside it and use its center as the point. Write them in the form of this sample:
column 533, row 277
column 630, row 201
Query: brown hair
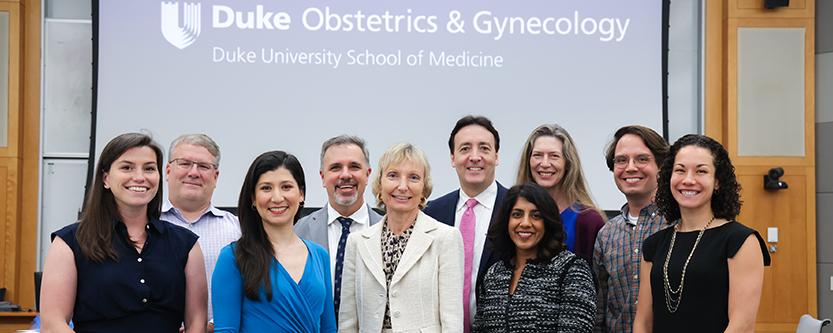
column 95, row 229
column 725, row 202
column 473, row 120
column 253, row 253
column 573, row 185
column 655, row 143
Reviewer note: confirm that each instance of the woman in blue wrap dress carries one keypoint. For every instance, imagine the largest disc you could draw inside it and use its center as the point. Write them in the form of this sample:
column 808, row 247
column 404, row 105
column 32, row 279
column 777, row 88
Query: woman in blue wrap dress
column 271, row 280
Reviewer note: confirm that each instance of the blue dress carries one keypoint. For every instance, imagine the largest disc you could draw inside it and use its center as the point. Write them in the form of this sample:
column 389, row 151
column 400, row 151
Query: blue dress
column 141, row 292
column 306, row 306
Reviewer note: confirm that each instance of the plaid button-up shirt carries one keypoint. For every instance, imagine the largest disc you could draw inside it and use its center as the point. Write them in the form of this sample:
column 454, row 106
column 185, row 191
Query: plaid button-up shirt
column 617, row 256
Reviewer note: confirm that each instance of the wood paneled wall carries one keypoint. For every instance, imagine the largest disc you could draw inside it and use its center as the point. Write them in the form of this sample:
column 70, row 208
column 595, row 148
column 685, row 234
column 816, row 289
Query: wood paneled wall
column 790, row 283
column 19, row 161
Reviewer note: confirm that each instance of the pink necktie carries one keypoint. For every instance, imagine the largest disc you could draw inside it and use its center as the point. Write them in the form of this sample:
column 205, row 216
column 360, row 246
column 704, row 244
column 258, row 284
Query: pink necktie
column 467, row 229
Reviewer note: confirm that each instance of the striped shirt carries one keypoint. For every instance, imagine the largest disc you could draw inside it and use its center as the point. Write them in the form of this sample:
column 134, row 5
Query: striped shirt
column 616, row 260
column 216, row 228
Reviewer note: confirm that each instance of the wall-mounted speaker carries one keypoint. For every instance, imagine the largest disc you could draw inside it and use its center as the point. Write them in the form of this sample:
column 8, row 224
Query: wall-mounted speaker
column 771, row 4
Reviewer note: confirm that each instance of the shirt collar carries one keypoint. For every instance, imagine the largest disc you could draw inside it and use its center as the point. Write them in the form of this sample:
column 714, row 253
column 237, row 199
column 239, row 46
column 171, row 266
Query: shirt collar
column 485, row 198
column 153, row 224
column 168, row 207
column 647, row 210
column 360, row 216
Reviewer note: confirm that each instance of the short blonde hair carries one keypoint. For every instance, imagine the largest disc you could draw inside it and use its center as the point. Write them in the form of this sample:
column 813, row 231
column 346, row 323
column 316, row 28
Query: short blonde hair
column 395, row 154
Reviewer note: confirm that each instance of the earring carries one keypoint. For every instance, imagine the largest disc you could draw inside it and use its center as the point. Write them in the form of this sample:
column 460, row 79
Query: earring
column 716, row 191
column 301, row 204
column 254, row 208
column 422, row 200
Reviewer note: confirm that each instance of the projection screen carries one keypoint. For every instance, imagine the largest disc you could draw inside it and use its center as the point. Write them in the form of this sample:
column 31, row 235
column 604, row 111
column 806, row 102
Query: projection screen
column 287, row 75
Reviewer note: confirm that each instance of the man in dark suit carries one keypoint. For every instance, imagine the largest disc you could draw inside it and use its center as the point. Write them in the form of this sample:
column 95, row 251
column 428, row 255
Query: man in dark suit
column 474, row 144
column 345, row 168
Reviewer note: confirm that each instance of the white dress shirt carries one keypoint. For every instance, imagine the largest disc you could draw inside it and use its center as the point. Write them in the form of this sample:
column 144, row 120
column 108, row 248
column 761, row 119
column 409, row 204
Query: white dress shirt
column 361, row 220
column 483, row 216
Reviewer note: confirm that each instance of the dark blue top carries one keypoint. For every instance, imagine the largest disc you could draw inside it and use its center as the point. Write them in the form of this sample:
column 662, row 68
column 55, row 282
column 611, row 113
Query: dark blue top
column 141, row 292
column 568, row 220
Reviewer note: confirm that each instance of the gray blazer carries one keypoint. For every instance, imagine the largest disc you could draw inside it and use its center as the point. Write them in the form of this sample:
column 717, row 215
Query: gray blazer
column 313, row 227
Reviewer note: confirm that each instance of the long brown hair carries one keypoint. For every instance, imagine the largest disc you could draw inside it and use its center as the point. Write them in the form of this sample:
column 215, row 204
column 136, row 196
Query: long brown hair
column 95, row 229
column 574, row 186
column 253, row 252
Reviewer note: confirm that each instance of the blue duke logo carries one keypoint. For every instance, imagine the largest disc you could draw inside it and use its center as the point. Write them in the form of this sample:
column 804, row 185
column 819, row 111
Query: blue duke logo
column 180, row 36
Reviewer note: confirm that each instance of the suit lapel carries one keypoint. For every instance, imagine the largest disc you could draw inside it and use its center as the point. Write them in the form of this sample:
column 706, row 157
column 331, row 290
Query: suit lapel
column 448, row 209
column 418, row 243
column 318, row 229
column 373, row 217
column 370, row 250
column 486, row 259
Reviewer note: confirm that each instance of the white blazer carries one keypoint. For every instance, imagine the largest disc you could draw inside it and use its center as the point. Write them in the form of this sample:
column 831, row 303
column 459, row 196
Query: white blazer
column 426, row 291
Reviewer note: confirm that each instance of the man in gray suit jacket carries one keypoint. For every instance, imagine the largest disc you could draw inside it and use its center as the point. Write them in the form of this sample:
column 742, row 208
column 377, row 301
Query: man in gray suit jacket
column 345, row 168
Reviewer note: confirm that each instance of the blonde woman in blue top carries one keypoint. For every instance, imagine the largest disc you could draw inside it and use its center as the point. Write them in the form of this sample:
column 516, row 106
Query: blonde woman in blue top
column 271, row 280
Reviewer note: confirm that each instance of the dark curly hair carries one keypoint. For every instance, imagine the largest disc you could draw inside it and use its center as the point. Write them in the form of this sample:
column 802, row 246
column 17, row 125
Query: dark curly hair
column 551, row 243
column 725, row 202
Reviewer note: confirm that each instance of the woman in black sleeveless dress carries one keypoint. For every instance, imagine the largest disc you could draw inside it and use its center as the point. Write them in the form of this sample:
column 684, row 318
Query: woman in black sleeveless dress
column 705, row 272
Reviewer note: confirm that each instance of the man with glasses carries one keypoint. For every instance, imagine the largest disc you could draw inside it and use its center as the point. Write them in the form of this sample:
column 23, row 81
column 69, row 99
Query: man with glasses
column 191, row 173
column 634, row 155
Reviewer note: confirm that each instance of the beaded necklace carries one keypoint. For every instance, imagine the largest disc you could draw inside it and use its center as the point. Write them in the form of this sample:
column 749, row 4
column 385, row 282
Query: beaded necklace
column 673, row 297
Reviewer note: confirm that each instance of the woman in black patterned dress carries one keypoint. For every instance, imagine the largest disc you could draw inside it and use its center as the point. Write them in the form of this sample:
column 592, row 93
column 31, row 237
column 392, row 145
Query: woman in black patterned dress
column 538, row 286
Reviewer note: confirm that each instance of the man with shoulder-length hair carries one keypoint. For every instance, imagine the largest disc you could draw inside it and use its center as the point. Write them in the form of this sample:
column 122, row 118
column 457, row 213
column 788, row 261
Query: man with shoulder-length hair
column 192, row 171
column 634, row 156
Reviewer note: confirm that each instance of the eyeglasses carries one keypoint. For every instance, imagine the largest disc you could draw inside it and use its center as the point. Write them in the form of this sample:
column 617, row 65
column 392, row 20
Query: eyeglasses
column 185, row 165
column 640, row 161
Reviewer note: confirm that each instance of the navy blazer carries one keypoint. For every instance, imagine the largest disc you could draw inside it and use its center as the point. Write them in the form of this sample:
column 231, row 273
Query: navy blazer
column 444, row 208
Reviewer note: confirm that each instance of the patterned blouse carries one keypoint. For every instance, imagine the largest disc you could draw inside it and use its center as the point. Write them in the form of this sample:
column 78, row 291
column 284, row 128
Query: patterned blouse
column 542, row 301
column 392, row 248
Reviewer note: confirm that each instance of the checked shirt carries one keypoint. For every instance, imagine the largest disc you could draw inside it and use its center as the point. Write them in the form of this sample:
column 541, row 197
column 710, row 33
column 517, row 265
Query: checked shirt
column 617, row 256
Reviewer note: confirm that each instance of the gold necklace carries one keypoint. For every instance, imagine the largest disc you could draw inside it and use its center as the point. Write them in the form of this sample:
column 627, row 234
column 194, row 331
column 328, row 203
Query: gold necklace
column 673, row 297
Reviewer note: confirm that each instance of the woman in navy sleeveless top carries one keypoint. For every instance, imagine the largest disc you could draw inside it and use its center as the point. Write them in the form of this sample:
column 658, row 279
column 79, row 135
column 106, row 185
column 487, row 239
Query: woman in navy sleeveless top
column 120, row 268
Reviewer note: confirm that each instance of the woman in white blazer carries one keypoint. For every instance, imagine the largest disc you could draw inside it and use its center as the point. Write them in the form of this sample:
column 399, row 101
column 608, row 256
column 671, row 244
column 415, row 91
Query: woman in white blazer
column 406, row 273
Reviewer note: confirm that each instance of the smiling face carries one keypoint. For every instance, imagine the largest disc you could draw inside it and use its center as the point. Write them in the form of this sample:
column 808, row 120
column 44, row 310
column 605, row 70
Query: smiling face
column 402, row 187
column 693, row 178
column 526, row 228
column 195, row 183
column 133, row 178
column 344, row 175
column 547, row 162
column 277, row 197
column 475, row 158
column 638, row 183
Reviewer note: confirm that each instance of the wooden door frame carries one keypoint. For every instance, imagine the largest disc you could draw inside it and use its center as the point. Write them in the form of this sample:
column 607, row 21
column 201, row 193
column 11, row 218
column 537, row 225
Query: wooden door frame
column 722, row 20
